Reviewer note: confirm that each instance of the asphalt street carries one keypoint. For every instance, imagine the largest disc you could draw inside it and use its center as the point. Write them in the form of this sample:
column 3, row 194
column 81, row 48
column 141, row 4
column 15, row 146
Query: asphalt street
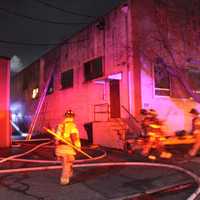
column 112, row 182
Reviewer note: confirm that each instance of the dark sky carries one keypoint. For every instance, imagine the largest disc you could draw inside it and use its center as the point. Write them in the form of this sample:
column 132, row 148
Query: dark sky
column 17, row 22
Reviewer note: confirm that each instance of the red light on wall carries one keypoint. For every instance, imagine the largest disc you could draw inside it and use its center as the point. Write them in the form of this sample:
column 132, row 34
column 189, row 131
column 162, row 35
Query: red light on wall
column 5, row 133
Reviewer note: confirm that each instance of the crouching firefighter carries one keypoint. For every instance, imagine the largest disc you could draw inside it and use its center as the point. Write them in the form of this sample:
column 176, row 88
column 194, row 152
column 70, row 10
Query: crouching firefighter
column 155, row 135
column 66, row 153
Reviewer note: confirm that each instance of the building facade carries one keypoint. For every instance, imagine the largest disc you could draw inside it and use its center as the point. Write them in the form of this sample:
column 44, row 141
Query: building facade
column 110, row 70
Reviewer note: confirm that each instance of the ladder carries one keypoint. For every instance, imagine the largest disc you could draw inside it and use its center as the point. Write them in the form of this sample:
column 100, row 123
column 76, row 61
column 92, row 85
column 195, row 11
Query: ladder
column 40, row 103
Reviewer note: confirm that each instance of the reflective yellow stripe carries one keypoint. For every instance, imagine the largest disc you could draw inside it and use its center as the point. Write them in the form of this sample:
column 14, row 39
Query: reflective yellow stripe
column 62, row 150
column 77, row 143
column 154, row 126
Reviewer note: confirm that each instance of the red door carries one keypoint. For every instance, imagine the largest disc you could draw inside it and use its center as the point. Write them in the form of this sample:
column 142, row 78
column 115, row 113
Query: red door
column 114, row 99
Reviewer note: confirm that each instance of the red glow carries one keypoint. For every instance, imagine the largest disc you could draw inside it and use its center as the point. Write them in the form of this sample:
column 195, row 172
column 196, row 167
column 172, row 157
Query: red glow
column 4, row 102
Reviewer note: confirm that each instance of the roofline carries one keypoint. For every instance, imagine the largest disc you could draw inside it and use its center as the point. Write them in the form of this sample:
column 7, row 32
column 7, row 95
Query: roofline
column 74, row 34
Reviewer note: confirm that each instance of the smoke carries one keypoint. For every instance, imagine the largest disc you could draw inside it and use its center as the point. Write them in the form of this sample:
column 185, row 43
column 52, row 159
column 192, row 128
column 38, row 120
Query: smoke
column 16, row 64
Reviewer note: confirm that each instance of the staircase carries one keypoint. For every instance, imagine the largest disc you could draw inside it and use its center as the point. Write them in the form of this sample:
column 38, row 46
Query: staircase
column 113, row 132
column 109, row 133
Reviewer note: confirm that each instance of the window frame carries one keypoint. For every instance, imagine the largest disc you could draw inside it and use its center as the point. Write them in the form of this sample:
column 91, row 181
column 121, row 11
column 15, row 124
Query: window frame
column 172, row 82
column 90, row 69
column 197, row 87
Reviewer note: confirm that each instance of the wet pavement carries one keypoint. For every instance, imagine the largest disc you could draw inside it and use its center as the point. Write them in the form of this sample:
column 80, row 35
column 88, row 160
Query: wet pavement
column 98, row 183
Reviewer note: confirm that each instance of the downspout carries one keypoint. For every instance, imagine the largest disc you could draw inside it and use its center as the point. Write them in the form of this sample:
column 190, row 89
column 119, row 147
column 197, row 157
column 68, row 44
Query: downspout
column 129, row 82
column 134, row 6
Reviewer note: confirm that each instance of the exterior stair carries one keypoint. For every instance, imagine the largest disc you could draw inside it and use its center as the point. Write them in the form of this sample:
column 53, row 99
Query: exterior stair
column 113, row 132
column 110, row 133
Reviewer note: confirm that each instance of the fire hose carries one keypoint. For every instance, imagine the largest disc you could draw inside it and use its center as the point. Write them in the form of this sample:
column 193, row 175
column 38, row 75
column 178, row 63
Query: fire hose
column 195, row 177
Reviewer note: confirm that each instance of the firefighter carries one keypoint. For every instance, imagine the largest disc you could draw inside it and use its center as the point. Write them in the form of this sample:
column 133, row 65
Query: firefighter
column 195, row 132
column 155, row 135
column 137, row 142
column 64, row 152
column 146, row 117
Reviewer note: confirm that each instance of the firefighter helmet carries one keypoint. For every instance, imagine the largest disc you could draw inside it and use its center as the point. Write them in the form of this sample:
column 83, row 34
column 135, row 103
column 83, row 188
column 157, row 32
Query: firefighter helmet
column 152, row 112
column 69, row 114
column 143, row 112
column 194, row 111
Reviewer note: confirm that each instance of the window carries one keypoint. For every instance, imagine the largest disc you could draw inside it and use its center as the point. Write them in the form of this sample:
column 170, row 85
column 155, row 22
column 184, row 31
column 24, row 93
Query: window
column 166, row 85
column 51, row 86
column 93, row 69
column 194, row 79
column 67, row 79
column 191, row 78
column 162, row 80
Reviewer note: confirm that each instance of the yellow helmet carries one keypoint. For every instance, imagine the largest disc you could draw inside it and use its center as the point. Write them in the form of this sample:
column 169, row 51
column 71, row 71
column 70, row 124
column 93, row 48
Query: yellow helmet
column 152, row 112
column 194, row 111
column 143, row 111
column 69, row 114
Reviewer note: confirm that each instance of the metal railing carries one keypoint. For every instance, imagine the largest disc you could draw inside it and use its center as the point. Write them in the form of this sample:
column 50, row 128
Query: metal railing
column 129, row 114
column 134, row 125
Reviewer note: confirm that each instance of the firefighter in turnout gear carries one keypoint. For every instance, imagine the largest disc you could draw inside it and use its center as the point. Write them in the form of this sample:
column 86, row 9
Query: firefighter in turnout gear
column 155, row 135
column 66, row 153
column 195, row 132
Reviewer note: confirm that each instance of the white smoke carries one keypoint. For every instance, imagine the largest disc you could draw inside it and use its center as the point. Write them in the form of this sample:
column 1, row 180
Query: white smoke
column 16, row 64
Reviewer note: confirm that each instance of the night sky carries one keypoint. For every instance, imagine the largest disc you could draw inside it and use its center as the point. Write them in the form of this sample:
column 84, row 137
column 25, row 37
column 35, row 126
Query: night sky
column 22, row 21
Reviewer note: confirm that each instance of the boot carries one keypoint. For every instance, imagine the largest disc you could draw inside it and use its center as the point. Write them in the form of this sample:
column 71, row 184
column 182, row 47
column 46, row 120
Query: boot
column 64, row 181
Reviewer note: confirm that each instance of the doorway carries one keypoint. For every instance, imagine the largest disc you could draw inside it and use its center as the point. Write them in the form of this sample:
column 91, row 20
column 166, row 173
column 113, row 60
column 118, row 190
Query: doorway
column 114, row 98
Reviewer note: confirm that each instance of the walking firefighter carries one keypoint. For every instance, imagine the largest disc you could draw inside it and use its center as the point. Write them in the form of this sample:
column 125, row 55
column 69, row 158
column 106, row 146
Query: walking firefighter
column 155, row 135
column 65, row 152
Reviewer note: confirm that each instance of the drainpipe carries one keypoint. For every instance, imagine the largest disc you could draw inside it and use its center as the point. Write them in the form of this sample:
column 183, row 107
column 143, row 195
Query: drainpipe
column 125, row 10
column 134, row 6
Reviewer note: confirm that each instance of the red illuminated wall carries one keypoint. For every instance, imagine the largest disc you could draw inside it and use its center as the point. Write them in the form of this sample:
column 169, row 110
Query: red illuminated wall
column 111, row 44
column 5, row 134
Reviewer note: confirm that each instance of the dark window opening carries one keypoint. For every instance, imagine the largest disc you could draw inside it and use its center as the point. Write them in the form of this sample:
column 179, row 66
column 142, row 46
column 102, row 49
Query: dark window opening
column 93, row 69
column 67, row 79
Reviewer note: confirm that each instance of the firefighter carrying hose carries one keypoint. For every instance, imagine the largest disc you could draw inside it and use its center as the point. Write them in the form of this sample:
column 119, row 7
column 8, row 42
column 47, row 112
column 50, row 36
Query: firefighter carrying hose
column 155, row 135
column 66, row 153
column 195, row 132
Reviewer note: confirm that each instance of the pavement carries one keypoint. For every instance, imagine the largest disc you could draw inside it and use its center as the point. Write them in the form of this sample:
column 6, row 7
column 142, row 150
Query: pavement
column 98, row 183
